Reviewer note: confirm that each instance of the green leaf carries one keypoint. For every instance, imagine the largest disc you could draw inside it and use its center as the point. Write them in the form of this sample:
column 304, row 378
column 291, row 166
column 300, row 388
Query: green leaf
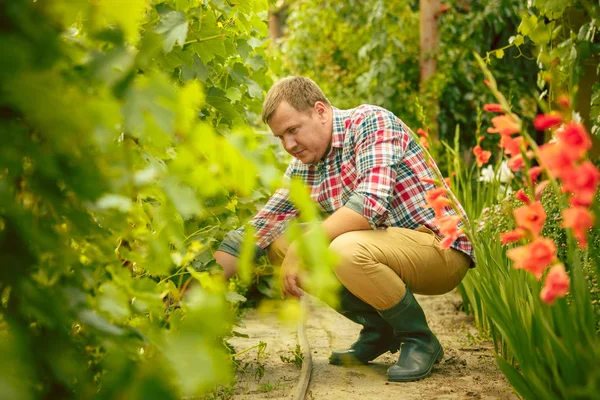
column 216, row 98
column 174, row 27
column 197, row 71
column 516, row 40
column 234, row 297
column 91, row 318
column 541, row 34
column 234, row 94
column 528, row 23
column 113, row 301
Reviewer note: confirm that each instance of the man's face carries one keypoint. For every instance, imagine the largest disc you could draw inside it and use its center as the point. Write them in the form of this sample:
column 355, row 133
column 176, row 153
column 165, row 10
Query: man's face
column 305, row 135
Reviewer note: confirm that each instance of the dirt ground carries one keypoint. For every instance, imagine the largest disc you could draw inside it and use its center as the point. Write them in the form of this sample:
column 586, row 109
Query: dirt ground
column 468, row 370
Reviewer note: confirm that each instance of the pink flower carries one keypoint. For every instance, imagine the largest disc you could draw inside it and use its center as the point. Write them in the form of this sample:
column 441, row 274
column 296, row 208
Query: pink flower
column 556, row 284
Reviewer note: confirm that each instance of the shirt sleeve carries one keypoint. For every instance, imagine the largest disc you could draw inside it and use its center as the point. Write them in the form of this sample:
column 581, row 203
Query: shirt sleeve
column 268, row 224
column 378, row 149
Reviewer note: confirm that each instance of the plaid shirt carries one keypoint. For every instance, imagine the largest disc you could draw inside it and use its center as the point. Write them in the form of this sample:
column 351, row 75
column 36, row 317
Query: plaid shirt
column 373, row 167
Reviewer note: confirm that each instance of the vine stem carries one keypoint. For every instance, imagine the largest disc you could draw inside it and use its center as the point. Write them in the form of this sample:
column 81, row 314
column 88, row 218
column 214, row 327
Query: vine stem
column 204, row 39
column 307, row 365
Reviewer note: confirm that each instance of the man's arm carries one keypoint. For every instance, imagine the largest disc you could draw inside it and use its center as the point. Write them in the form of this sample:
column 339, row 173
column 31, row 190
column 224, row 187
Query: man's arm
column 344, row 220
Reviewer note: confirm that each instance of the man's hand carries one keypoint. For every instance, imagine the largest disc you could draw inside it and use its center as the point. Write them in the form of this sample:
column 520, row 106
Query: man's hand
column 289, row 273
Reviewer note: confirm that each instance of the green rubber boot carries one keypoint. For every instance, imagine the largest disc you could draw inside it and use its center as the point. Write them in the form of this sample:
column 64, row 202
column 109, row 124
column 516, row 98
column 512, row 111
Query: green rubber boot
column 420, row 349
column 376, row 337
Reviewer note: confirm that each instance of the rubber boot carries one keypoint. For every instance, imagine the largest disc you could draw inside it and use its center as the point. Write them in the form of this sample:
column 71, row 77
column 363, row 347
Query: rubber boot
column 420, row 349
column 376, row 336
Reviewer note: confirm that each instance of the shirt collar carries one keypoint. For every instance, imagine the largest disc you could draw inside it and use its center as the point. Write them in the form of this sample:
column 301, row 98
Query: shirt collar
column 341, row 121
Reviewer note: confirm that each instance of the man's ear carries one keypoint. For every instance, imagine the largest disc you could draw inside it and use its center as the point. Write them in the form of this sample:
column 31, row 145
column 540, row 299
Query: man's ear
column 321, row 109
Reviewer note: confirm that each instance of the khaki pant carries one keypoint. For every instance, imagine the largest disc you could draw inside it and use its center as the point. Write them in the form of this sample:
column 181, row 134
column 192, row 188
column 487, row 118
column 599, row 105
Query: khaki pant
column 377, row 265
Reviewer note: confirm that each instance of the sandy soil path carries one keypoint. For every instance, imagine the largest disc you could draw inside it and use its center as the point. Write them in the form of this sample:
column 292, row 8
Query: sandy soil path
column 468, row 370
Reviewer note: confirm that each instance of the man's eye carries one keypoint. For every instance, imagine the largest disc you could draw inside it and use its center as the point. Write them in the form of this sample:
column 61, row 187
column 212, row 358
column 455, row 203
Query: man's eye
column 293, row 130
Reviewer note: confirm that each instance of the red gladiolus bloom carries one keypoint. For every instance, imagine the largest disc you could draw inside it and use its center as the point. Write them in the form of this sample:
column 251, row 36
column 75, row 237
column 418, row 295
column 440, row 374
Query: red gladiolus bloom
column 447, row 180
column 511, row 146
column 547, row 121
column 575, row 139
column 438, row 205
column 493, row 108
column 428, row 180
column 424, row 142
column 580, row 219
column 534, row 257
column 515, row 163
column 434, row 193
column 482, row 156
column 512, row 236
column 531, row 217
column 554, row 158
column 522, row 196
column 556, row 284
column 534, row 173
column 486, row 81
column 422, row 133
column 582, row 181
column 504, row 125
column 448, row 229
column 564, row 100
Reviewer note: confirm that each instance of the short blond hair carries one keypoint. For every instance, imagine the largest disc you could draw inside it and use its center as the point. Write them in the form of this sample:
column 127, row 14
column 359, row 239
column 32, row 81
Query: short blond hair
column 300, row 92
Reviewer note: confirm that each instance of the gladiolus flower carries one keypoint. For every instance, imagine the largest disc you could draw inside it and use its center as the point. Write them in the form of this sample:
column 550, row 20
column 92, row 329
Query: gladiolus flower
column 580, row 219
column 424, row 142
column 493, row 108
column 522, row 196
column 487, row 82
column 504, row 125
column 447, row 181
column 422, row 133
column 511, row 146
column 547, row 121
column 438, row 205
column 512, row 236
column 434, row 193
column 564, row 100
column 555, row 159
column 556, row 284
column 539, row 189
column 534, row 173
column 515, row 163
column 534, row 257
column 582, row 181
column 482, row 156
column 531, row 217
column 575, row 139
column 448, row 229
column 429, row 180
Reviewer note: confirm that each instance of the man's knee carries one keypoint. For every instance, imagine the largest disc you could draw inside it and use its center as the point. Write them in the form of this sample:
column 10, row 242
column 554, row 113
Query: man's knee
column 352, row 252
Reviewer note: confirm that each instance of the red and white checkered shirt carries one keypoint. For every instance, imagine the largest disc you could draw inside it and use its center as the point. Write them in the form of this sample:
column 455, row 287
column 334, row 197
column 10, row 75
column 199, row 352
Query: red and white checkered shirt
column 373, row 167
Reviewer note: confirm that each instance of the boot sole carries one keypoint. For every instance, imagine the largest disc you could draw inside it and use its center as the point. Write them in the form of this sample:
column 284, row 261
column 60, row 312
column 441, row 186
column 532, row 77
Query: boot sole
column 415, row 378
column 353, row 361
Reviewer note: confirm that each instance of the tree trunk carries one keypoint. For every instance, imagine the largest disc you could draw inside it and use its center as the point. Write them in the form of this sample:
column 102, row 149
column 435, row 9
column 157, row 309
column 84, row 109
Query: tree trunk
column 430, row 39
column 430, row 44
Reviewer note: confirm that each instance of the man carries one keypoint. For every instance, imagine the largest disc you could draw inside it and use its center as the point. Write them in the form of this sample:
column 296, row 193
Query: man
column 365, row 170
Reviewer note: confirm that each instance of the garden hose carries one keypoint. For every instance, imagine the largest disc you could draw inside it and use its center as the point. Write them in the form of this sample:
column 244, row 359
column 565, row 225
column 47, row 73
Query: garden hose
column 306, row 371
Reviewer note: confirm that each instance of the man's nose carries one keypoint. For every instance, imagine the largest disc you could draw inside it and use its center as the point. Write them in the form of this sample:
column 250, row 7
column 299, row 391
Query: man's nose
column 289, row 143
